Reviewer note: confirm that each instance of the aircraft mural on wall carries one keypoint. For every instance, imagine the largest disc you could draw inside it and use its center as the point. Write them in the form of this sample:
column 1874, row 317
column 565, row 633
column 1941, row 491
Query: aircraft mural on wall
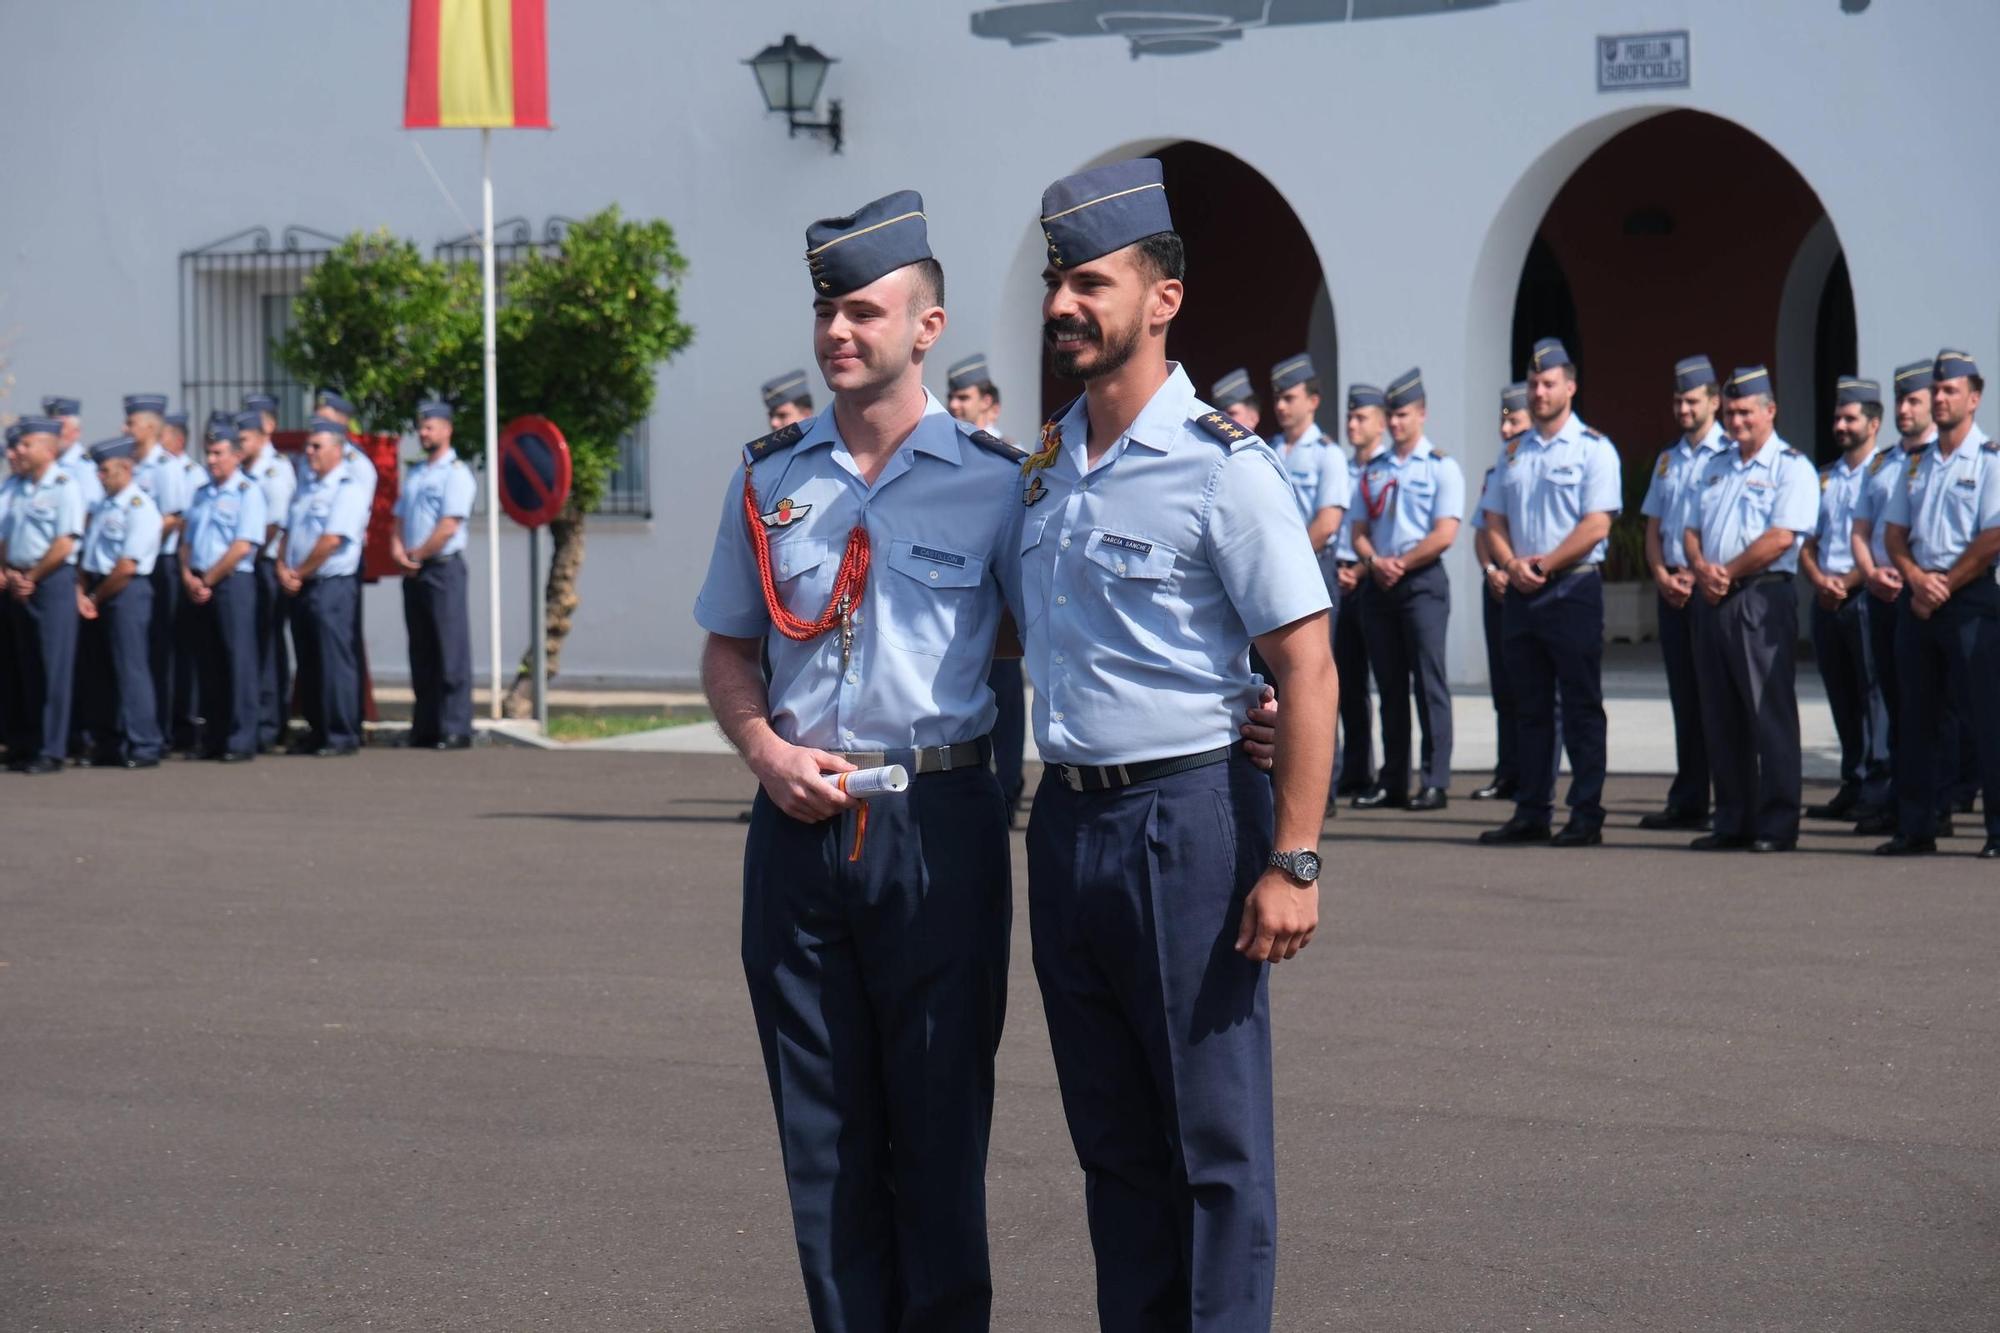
column 1184, row 27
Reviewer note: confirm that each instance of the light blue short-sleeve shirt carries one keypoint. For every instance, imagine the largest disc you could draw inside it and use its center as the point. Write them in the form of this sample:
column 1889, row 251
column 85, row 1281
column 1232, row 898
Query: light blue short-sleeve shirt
column 224, row 513
column 1402, row 499
column 75, row 460
column 279, row 481
column 433, row 491
column 336, row 504
column 1140, row 582
column 1879, row 485
column 1317, row 469
column 1946, row 500
column 125, row 526
column 1545, row 486
column 938, row 518
column 1743, row 499
column 1839, row 495
column 35, row 513
column 1674, row 494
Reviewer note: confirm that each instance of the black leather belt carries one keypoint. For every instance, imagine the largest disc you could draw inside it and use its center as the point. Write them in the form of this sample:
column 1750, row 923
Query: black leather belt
column 1107, row 777
column 925, row 758
column 1768, row 576
column 1345, row 564
column 1569, row 570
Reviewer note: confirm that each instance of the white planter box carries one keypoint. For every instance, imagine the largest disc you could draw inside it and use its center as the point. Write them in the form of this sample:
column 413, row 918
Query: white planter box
column 1631, row 612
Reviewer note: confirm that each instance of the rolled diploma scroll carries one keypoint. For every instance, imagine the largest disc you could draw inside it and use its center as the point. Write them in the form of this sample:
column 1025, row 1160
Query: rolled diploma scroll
column 871, row 781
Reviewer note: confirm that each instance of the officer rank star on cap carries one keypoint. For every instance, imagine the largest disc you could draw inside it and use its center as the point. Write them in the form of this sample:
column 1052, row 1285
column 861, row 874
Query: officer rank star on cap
column 145, row 402
column 1747, row 382
column 1548, row 353
column 1090, row 214
column 1232, row 389
column 121, row 446
column 1514, row 398
column 1692, row 372
column 1851, row 389
column 787, row 388
column 61, row 407
column 845, row 254
column 1405, row 389
column 1952, row 365
column 970, row 373
column 1364, row 395
column 1292, row 370
column 1915, row 376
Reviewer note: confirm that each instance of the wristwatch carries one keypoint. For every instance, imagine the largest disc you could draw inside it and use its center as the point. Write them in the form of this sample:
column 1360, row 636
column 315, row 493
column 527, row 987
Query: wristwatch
column 1302, row 865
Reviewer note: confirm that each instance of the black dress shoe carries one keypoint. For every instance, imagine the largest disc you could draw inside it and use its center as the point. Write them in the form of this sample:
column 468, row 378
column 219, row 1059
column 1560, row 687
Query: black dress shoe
column 454, row 743
column 1876, row 824
column 1719, row 842
column 1774, row 845
column 41, row 765
column 1673, row 819
column 1576, row 834
column 235, row 756
column 1353, row 788
column 335, row 751
column 1902, row 846
column 1515, row 832
column 1840, row 807
column 409, row 740
column 1430, row 798
column 140, row 763
column 1991, row 851
column 1379, row 798
column 1500, row 789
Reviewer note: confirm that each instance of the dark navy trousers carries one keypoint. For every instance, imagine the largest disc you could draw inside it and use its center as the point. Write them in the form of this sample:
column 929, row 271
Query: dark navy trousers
column 274, row 668
column 1354, row 760
column 1688, row 794
column 329, row 672
column 879, row 987
column 1406, row 647
column 1950, row 660
column 1555, row 654
column 1860, row 719
column 439, row 626
column 1506, row 717
column 1010, row 727
column 132, row 721
column 1162, row 1039
column 1747, row 651
column 182, row 721
column 167, row 595
column 225, row 637
column 42, row 640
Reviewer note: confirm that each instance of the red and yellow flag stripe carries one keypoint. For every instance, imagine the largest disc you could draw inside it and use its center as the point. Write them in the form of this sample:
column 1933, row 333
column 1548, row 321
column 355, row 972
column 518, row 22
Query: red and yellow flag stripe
column 478, row 64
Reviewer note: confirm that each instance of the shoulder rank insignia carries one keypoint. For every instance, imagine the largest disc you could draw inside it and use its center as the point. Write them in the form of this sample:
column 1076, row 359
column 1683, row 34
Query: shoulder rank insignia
column 776, row 440
column 242, row 485
column 1991, row 446
column 62, row 478
column 993, row 444
column 1223, row 429
column 139, row 502
column 1792, row 453
column 1590, row 434
column 785, row 514
column 1881, row 461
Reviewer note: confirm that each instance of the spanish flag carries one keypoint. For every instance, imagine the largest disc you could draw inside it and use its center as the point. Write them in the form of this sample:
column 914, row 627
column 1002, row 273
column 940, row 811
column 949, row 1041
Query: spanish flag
column 478, row 64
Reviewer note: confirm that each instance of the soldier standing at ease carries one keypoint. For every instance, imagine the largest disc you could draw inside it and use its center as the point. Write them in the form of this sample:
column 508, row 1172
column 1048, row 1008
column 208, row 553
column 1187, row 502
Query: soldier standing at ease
column 1514, row 422
column 225, row 529
column 429, row 544
column 115, row 592
column 319, row 572
column 41, row 518
column 278, row 479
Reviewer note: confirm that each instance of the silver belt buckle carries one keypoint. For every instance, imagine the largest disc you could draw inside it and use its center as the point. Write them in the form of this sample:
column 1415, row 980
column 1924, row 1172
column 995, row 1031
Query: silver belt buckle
column 1072, row 776
column 943, row 759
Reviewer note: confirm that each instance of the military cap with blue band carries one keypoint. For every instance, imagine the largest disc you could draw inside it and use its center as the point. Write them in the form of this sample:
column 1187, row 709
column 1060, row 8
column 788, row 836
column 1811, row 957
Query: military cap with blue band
column 38, row 426
column 260, row 402
column 248, row 419
column 1692, row 372
column 1365, row 395
column 223, row 414
column 1232, row 389
column 1952, row 365
column 1548, row 353
column 13, row 433
column 334, row 399
column 845, row 254
column 787, row 388
column 61, row 407
column 1091, row 214
column 1514, row 398
column 145, row 402
column 1292, row 370
column 178, row 420
column 971, row 373
column 326, row 426
column 1405, row 389
column 121, row 446
column 220, row 428
column 434, row 409
column 1747, row 382
column 1850, row 389
column 1914, row 377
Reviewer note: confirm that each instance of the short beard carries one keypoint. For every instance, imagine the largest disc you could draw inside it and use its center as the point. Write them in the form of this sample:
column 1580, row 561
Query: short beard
column 1069, row 364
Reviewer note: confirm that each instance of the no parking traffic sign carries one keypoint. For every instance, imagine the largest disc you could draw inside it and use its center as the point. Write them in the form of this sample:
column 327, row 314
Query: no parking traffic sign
column 534, row 471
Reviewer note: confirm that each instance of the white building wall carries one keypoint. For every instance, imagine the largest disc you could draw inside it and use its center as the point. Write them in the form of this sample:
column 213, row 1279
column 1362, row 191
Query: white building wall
column 1419, row 153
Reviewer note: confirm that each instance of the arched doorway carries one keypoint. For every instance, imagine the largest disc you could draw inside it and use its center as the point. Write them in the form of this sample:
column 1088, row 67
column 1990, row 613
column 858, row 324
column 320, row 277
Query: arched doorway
column 1641, row 259
column 1256, row 292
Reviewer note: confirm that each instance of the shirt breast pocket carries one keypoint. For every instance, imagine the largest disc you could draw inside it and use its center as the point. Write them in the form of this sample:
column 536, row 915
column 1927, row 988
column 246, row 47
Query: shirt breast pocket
column 803, row 569
column 937, row 607
column 1756, row 506
column 1134, row 570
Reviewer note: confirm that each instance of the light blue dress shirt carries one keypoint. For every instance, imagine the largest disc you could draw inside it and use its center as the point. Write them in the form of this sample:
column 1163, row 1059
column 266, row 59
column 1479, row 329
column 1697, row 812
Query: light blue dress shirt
column 75, row 460
column 334, row 503
column 1344, row 539
column 125, row 526
column 1839, row 494
column 35, row 513
column 433, row 491
column 1546, row 486
column 1884, row 476
column 1674, row 494
column 938, row 517
column 224, row 513
column 1742, row 499
column 1317, row 469
column 1402, row 499
column 172, row 483
column 361, row 467
column 1140, row 582
column 279, row 482
column 1947, row 500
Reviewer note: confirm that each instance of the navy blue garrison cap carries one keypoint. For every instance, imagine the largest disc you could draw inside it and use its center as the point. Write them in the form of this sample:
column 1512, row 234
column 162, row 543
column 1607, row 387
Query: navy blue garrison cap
column 145, row 402
column 248, row 419
column 39, row 426
column 1364, row 395
column 260, row 402
column 1747, row 381
column 326, row 426
column 1232, row 389
column 1405, row 389
column 119, row 446
column 845, row 254
column 1952, row 365
column 787, row 388
column 13, row 433
column 1853, row 390
column 1292, row 370
column 61, row 407
column 1514, row 398
column 1914, row 377
column 178, row 420
column 1090, row 214
column 334, row 399
column 1547, row 355
column 970, row 373
column 434, row 409
column 1692, row 372
column 220, row 428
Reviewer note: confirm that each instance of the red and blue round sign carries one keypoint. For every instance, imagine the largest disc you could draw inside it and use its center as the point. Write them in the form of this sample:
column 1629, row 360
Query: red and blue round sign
column 534, row 471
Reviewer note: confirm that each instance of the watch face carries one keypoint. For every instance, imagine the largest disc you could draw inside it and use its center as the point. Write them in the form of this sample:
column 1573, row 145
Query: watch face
column 1309, row 865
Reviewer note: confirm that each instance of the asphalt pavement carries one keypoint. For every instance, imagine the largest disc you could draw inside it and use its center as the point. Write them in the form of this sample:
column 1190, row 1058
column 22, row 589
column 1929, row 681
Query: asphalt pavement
column 460, row 1042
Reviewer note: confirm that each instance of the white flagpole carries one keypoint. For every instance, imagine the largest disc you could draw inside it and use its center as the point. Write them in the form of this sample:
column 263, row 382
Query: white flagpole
column 492, row 360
